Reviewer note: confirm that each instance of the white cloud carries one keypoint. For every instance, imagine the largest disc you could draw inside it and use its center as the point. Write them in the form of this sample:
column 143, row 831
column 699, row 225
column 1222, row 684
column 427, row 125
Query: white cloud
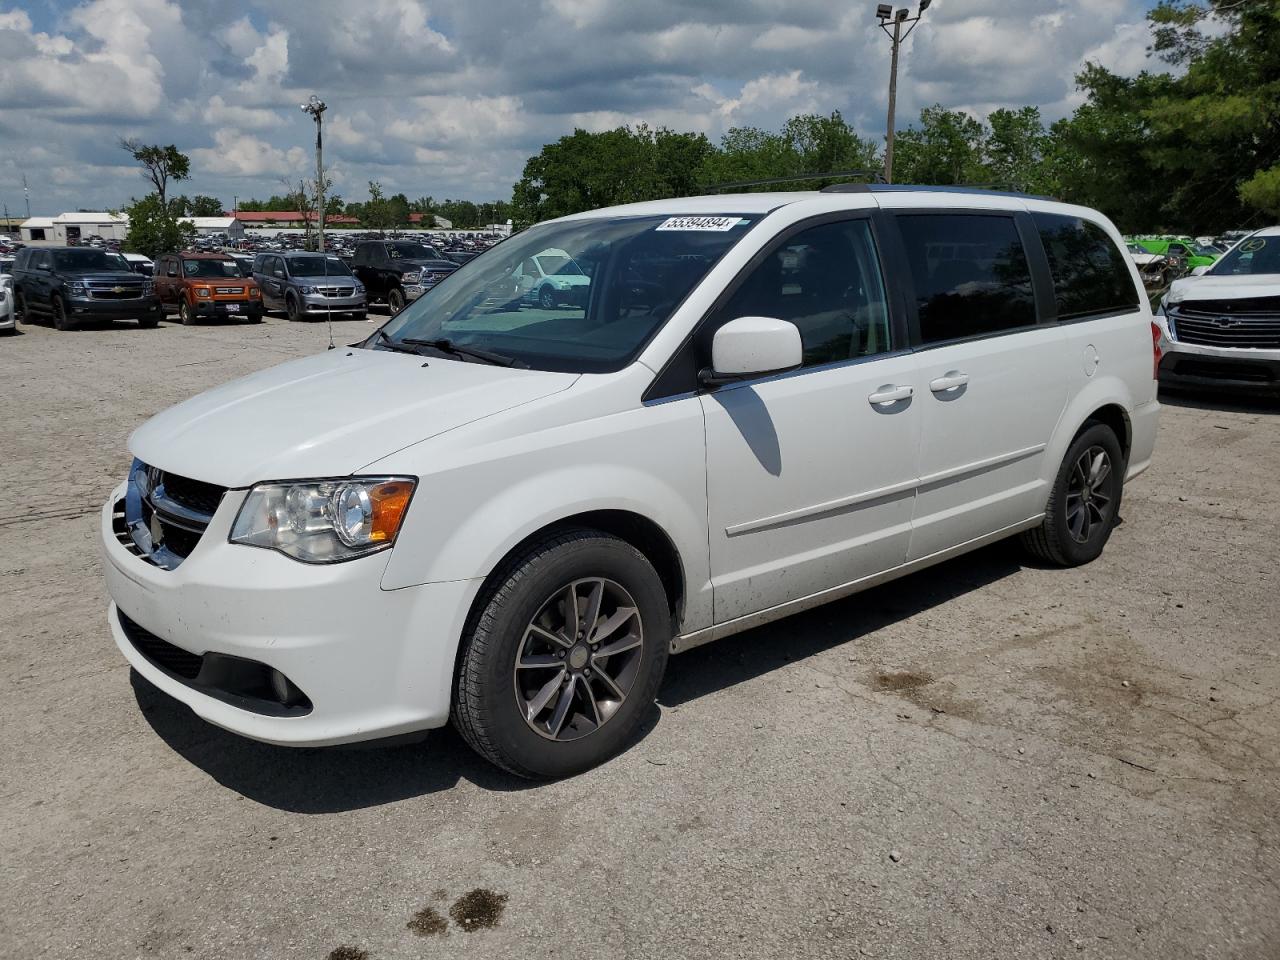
column 235, row 154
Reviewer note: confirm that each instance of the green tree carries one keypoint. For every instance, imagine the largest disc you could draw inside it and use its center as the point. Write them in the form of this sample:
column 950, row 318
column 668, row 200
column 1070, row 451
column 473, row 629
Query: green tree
column 156, row 227
column 398, row 209
column 946, row 148
column 202, row 206
column 375, row 213
column 159, row 164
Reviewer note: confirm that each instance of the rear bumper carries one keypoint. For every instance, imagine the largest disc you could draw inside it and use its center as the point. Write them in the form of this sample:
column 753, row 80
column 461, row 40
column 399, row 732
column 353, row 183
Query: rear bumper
column 115, row 309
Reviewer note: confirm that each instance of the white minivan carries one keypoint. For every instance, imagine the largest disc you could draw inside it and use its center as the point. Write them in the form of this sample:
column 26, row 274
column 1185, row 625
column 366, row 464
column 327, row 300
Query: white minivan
column 512, row 517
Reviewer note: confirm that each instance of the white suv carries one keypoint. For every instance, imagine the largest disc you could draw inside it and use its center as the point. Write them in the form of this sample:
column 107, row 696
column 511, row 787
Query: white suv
column 512, row 517
column 1220, row 327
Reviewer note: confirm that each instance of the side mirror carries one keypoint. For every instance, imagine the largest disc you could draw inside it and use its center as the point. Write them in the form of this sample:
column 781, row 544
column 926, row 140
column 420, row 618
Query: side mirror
column 752, row 347
column 1199, row 271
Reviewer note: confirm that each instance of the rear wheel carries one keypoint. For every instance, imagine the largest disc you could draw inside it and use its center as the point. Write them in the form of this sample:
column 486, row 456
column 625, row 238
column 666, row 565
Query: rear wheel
column 60, row 319
column 395, row 300
column 1085, row 500
column 564, row 658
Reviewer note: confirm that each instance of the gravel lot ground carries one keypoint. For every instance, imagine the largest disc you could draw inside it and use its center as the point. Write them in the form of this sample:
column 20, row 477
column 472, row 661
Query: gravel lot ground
column 984, row 760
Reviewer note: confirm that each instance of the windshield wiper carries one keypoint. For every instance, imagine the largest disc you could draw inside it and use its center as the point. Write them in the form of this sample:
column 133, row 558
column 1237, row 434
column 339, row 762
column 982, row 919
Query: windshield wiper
column 446, row 345
column 395, row 345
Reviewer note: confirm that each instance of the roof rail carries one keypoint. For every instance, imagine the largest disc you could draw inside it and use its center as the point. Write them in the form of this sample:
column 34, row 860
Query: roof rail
column 925, row 188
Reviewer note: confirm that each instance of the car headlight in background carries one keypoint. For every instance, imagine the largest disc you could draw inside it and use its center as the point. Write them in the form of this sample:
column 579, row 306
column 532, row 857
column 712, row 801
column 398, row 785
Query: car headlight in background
column 77, row 289
column 411, row 278
column 306, row 291
column 202, row 292
column 324, row 521
column 148, row 288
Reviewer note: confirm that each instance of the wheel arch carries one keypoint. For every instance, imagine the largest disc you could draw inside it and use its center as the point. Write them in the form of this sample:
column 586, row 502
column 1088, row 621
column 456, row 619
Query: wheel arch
column 633, row 528
column 1117, row 418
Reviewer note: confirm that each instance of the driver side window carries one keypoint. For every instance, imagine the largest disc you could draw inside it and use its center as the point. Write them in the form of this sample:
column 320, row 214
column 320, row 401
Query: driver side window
column 826, row 280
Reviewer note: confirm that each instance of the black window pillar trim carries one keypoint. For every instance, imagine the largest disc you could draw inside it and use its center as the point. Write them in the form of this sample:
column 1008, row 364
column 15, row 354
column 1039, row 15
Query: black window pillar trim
column 679, row 375
column 1041, row 274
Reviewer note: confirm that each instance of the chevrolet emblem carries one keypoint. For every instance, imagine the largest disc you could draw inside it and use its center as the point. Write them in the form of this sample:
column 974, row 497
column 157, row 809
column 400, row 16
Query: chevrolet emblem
column 117, row 289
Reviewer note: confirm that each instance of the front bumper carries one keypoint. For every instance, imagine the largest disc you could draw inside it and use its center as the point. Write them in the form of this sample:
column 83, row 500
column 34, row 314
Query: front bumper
column 147, row 307
column 372, row 663
column 224, row 309
column 1229, row 370
column 323, row 305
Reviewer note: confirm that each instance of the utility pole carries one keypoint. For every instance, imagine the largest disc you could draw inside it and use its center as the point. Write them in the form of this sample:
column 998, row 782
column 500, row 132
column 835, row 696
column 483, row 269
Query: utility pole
column 316, row 107
column 899, row 18
column 26, row 193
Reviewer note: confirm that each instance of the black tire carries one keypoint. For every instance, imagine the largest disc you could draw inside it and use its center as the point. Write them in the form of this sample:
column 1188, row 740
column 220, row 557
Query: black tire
column 291, row 310
column 1073, row 511
column 60, row 319
column 486, row 710
column 395, row 300
column 186, row 316
column 20, row 308
column 547, row 298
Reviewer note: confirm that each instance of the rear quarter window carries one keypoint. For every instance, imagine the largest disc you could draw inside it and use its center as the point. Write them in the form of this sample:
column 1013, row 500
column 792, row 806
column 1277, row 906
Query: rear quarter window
column 1090, row 274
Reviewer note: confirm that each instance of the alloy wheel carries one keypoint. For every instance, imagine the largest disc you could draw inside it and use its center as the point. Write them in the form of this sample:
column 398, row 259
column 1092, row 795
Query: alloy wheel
column 578, row 659
column 1089, row 494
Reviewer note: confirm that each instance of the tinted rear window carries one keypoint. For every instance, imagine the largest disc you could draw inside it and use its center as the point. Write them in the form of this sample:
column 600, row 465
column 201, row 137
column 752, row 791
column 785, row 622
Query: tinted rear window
column 1090, row 274
column 970, row 274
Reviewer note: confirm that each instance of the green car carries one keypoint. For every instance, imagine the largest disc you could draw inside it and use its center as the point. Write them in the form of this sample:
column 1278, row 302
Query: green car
column 1196, row 254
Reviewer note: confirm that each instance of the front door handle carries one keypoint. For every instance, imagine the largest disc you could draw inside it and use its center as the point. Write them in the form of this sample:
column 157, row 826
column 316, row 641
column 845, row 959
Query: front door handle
column 951, row 380
column 890, row 394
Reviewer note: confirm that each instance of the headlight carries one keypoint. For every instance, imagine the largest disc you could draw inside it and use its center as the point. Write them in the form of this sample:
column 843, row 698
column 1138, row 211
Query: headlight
column 254, row 292
column 359, row 288
column 202, row 291
column 411, row 278
column 76, row 288
column 306, row 291
column 324, row 521
column 148, row 288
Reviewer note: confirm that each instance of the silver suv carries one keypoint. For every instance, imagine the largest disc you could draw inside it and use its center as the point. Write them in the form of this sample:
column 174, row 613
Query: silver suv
column 309, row 286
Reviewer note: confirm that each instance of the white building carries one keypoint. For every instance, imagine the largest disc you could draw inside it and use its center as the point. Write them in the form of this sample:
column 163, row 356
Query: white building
column 74, row 228
column 36, row 230
column 230, row 226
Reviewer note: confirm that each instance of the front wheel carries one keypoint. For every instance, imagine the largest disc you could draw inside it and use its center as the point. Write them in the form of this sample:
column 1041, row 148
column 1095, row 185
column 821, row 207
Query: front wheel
column 395, row 300
column 20, row 308
column 564, row 658
column 1084, row 503
column 186, row 316
column 61, row 320
column 291, row 310
column 547, row 299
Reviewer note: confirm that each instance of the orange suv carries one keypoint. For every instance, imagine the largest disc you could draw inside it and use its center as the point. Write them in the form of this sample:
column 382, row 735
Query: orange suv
column 202, row 285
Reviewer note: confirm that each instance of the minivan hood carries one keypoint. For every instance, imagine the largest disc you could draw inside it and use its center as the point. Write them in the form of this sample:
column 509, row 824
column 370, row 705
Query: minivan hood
column 329, row 415
column 1225, row 288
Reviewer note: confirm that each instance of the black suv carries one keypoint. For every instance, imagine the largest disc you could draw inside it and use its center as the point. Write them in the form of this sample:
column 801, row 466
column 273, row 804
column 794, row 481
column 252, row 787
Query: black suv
column 71, row 285
column 397, row 271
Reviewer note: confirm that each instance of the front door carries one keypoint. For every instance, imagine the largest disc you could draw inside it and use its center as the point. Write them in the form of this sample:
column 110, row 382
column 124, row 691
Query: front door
column 811, row 474
column 993, row 383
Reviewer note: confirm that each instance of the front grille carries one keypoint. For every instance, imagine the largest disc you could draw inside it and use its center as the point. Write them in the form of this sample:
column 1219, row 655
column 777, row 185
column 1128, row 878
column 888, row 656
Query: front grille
column 130, row 289
column 228, row 291
column 162, row 653
column 166, row 514
column 127, row 294
column 1251, row 323
column 336, row 291
column 194, row 494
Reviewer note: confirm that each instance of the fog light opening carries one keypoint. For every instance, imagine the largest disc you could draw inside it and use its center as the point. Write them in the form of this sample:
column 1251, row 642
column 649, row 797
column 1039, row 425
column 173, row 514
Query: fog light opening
column 284, row 690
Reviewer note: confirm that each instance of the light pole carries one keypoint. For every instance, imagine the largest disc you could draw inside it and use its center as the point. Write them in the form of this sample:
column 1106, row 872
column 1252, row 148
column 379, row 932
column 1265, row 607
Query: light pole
column 316, row 107
column 899, row 18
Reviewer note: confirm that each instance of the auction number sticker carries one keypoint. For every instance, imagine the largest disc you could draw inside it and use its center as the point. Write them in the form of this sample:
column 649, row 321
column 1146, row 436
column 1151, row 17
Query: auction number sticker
column 711, row 224
column 1254, row 245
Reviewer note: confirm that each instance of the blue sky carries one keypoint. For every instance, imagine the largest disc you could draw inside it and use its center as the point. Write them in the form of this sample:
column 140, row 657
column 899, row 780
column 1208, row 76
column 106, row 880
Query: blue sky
column 449, row 99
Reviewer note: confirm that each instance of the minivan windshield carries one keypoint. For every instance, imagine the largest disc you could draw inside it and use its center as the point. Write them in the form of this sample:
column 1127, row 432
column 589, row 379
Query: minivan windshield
column 637, row 270
column 317, row 267
column 1250, row 257
column 88, row 259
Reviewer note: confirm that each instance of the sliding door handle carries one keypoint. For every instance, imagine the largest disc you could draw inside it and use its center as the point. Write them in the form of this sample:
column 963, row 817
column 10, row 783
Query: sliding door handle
column 951, row 380
column 890, row 394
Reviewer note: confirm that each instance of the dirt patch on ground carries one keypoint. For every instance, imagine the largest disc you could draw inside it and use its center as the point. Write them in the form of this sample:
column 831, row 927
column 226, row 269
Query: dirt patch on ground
column 427, row 922
column 478, row 909
column 345, row 952
column 900, row 682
